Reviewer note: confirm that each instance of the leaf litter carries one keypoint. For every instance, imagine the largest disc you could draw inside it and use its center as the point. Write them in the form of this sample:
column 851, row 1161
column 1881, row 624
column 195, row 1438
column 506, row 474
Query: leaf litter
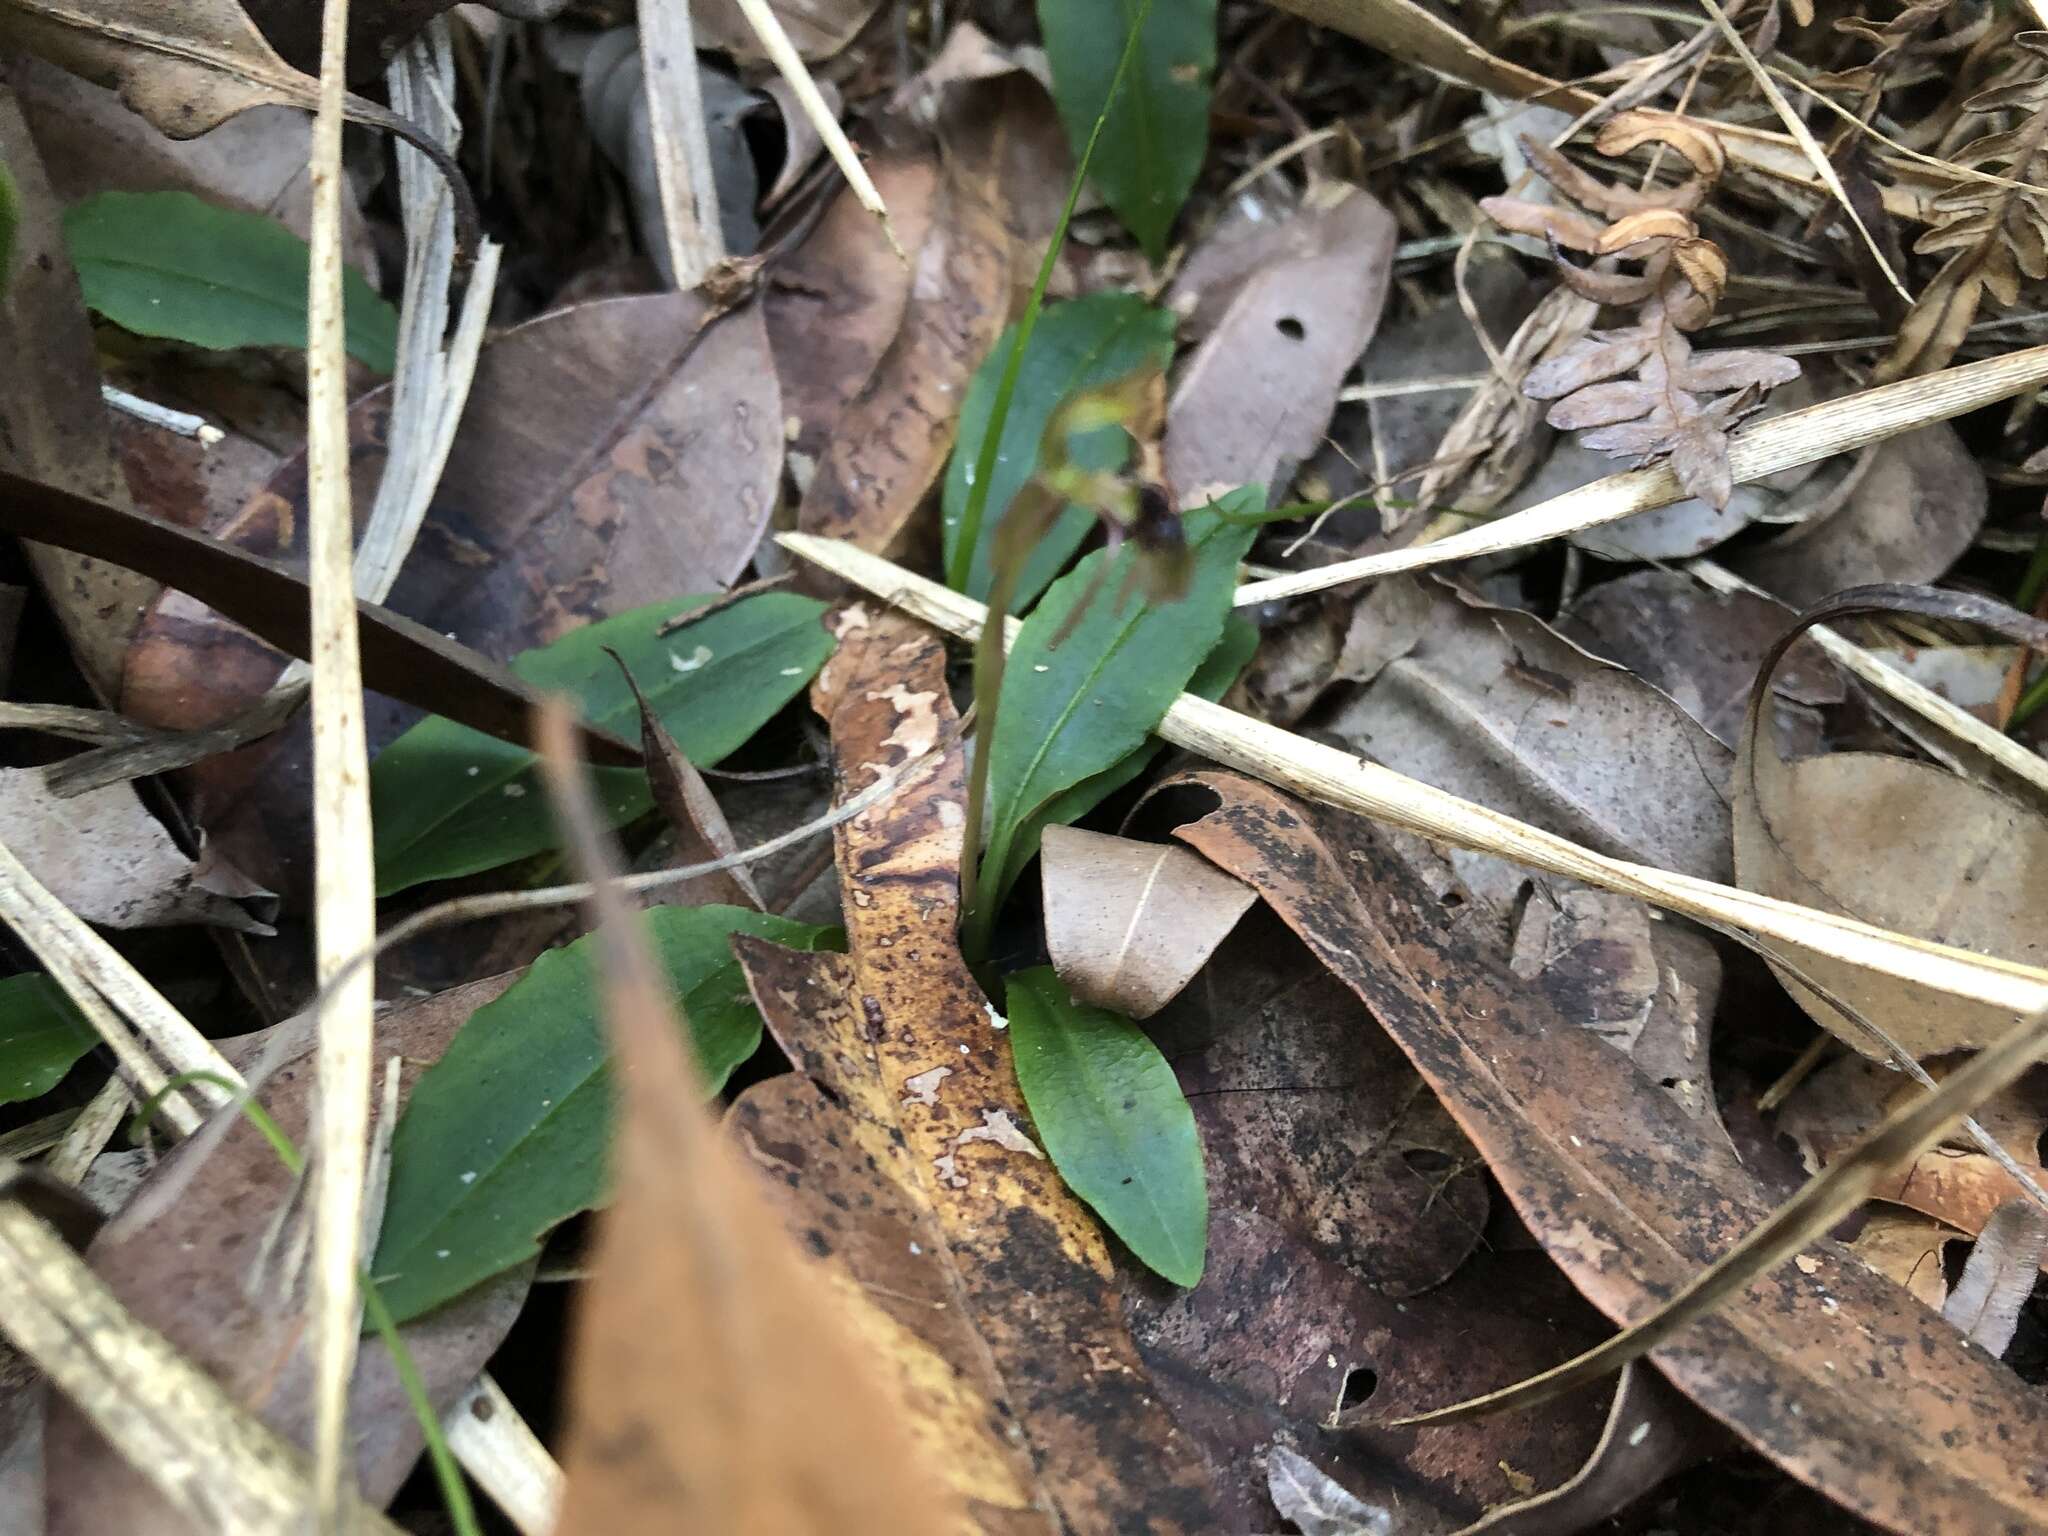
column 1231, row 1153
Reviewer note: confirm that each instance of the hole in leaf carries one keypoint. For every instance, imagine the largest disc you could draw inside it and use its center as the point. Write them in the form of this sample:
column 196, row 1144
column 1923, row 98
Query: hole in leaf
column 1360, row 1382
column 1290, row 327
column 1451, row 900
column 1426, row 1159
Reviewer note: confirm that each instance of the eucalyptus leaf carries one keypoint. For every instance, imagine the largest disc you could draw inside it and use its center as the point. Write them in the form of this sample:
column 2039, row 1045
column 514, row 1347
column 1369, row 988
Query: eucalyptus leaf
column 1114, row 1122
column 1081, row 345
column 508, row 1133
column 447, row 800
column 1211, row 680
column 1158, row 130
column 1072, row 712
column 42, row 1036
column 171, row 264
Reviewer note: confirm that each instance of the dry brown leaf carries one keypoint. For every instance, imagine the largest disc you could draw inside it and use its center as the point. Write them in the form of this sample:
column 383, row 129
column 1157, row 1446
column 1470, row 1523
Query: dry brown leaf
column 1647, row 988
column 2001, row 1274
column 1255, row 398
column 1837, row 1375
column 188, row 1257
column 187, row 65
column 1956, row 1183
column 818, row 28
column 716, row 1385
column 835, row 303
column 1894, row 841
column 897, row 1031
column 1703, row 648
column 1906, row 510
column 890, row 444
column 691, row 811
column 112, row 863
column 56, row 421
column 1128, row 924
column 376, row 28
column 1492, row 704
column 1906, row 1248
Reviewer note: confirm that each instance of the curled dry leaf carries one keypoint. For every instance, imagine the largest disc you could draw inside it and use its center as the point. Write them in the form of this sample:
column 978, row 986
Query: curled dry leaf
column 1257, row 395
column 1316, row 1503
column 1128, row 924
column 1837, row 1375
column 112, row 863
column 192, row 1255
column 2001, row 1274
column 1492, row 704
column 1905, row 510
column 786, row 1425
column 1897, row 842
column 897, row 1032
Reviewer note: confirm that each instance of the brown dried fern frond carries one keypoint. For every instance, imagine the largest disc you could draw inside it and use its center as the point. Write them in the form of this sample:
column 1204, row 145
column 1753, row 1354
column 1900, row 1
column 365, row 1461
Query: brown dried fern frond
column 1995, row 232
column 1641, row 391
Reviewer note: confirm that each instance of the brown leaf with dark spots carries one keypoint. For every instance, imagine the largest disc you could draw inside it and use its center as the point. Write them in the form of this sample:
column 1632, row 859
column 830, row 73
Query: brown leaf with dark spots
column 890, row 445
column 1128, row 924
column 716, row 1385
column 691, row 810
column 186, row 1256
column 898, row 1031
column 1838, row 1376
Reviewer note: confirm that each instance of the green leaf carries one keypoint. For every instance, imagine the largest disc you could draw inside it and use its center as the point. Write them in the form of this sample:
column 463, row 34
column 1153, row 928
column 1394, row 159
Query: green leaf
column 1158, row 131
column 169, row 264
column 508, row 1133
column 42, row 1035
column 1114, row 1122
column 447, row 800
column 1082, row 345
column 1070, row 713
column 1211, row 680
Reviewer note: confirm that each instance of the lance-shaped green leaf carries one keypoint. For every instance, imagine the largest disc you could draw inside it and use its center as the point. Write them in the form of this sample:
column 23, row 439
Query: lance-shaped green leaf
column 451, row 801
column 1114, row 1122
column 507, row 1135
column 171, row 264
column 1158, row 130
column 1211, row 680
column 1077, row 346
column 1076, row 710
column 42, row 1035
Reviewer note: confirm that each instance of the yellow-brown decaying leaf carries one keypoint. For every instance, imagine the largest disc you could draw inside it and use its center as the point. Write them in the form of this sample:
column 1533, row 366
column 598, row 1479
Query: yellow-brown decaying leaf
column 898, row 1031
column 717, row 1384
column 1127, row 923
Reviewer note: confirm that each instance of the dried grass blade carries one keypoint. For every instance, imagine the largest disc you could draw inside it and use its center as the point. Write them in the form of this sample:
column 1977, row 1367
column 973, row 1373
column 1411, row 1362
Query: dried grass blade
column 211, row 1459
column 1797, row 437
column 682, row 146
column 1326, row 774
column 344, row 883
